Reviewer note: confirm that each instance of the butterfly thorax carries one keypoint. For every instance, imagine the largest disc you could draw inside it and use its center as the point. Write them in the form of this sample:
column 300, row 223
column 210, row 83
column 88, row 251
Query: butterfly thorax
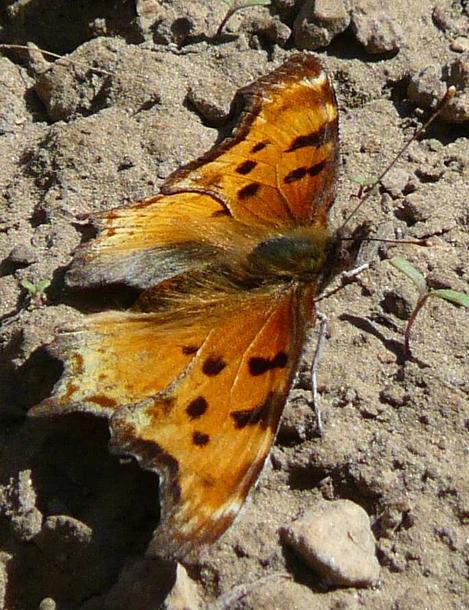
column 300, row 254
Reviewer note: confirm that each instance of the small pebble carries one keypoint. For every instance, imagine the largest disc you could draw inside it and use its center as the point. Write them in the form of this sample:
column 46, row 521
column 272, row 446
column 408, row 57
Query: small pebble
column 427, row 88
column 460, row 44
column 396, row 181
column 336, row 540
column 23, row 254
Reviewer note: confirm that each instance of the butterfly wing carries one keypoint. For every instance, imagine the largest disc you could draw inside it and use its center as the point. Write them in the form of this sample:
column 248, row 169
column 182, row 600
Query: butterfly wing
column 279, row 167
column 118, row 358
column 278, row 170
column 210, row 431
column 152, row 240
column 196, row 398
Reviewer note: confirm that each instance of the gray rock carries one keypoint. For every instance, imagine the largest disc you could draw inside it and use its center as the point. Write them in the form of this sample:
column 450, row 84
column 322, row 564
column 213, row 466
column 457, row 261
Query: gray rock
column 179, row 21
column 450, row 18
column 396, row 181
column 58, row 528
column 142, row 584
column 375, row 28
column 184, row 594
column 428, row 87
column 270, row 27
column 335, row 539
column 47, row 604
column 4, row 559
column 14, row 86
column 460, row 44
column 147, row 11
column 399, row 302
column 86, row 81
column 270, row 593
column 23, row 254
column 319, row 21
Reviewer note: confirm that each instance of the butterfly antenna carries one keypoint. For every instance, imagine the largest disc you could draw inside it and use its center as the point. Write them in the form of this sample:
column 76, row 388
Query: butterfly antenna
column 450, row 93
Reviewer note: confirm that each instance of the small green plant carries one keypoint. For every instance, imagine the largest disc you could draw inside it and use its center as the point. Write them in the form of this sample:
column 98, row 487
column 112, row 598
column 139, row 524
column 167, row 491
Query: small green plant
column 238, row 5
column 452, row 296
column 36, row 292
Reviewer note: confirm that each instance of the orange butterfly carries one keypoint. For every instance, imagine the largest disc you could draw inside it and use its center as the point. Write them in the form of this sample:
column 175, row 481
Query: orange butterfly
column 194, row 378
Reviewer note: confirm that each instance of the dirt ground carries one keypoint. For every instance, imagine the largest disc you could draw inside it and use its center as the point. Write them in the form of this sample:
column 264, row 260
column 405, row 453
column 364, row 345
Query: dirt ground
column 74, row 520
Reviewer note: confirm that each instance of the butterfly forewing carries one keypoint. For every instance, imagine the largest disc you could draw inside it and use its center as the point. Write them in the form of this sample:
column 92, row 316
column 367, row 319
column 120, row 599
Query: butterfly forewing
column 210, row 431
column 278, row 170
column 279, row 167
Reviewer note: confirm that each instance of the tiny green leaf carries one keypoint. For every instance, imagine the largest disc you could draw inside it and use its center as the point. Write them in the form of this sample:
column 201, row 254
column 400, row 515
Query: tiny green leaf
column 364, row 181
column 29, row 286
column 453, row 296
column 42, row 286
column 411, row 272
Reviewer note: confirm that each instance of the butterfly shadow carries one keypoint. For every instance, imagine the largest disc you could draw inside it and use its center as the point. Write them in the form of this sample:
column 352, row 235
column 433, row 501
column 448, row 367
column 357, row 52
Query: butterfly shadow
column 393, row 346
column 116, row 296
column 88, row 299
column 98, row 511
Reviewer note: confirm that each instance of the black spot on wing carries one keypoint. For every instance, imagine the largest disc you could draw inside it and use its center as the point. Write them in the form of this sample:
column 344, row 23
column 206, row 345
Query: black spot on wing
column 301, row 172
column 314, row 138
column 259, row 146
column 258, row 365
column 213, row 365
column 279, row 361
column 197, row 407
column 246, row 167
column 296, row 174
column 200, row 439
column 249, row 190
column 188, row 350
column 314, row 170
column 252, row 417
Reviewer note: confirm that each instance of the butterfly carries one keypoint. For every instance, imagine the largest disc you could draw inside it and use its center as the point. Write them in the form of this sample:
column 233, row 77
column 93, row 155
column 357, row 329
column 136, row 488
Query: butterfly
column 228, row 259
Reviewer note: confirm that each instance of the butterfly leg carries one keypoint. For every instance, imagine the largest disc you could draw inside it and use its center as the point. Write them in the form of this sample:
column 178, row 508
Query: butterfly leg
column 345, row 278
column 323, row 320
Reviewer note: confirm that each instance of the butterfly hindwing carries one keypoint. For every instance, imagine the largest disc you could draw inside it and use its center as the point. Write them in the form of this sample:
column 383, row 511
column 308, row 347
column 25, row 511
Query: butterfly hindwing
column 199, row 400
column 118, row 358
column 155, row 239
